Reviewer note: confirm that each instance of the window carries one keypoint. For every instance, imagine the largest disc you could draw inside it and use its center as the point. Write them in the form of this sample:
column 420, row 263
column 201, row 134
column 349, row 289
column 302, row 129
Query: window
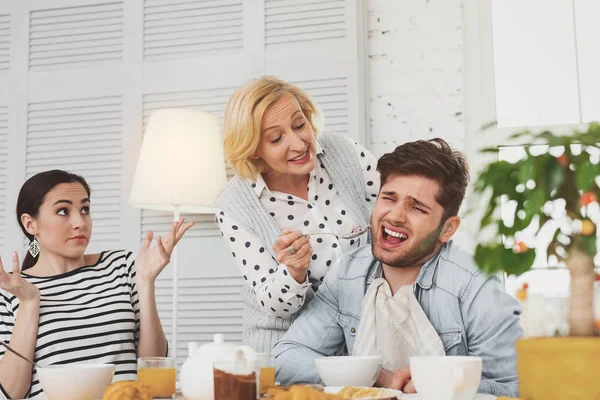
column 529, row 64
column 546, row 61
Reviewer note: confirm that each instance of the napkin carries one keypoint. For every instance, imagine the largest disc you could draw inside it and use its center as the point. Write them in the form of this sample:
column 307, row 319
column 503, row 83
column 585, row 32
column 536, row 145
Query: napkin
column 394, row 327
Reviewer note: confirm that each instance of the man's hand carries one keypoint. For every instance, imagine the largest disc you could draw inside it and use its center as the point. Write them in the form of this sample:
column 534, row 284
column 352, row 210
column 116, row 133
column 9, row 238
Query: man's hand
column 400, row 380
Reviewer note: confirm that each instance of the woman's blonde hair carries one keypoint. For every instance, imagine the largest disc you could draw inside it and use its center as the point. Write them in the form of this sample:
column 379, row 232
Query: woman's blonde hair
column 243, row 116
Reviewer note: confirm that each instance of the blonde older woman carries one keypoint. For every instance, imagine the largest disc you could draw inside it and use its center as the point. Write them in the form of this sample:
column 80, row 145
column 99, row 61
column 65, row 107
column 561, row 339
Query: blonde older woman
column 287, row 183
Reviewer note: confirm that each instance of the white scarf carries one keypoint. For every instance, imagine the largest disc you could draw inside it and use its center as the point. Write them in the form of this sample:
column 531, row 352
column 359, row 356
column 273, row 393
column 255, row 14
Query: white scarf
column 394, row 327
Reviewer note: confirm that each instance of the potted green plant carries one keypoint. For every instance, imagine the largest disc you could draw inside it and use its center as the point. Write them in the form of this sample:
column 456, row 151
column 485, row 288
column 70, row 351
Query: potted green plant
column 557, row 184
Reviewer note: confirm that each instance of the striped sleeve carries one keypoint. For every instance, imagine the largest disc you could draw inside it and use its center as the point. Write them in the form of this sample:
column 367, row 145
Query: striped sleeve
column 7, row 318
column 7, row 323
column 135, row 302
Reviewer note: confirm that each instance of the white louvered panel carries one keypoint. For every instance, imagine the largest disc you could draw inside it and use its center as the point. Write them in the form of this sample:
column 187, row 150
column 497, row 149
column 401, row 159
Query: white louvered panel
column 3, row 173
column 331, row 96
column 160, row 223
column 76, row 36
column 82, row 136
column 188, row 28
column 4, row 43
column 209, row 100
column 288, row 21
column 205, row 306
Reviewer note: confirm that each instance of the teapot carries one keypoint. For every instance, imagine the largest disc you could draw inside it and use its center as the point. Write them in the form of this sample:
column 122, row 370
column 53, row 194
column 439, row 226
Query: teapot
column 196, row 375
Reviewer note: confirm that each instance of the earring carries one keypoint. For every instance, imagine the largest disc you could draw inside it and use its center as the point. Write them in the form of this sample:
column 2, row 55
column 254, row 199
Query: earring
column 34, row 248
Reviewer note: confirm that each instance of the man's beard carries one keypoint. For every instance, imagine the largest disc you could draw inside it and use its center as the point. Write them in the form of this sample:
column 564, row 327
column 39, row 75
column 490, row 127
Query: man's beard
column 415, row 256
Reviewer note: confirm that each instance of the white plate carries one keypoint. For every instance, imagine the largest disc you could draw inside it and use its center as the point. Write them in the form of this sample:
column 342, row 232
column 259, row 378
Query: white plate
column 414, row 396
column 337, row 389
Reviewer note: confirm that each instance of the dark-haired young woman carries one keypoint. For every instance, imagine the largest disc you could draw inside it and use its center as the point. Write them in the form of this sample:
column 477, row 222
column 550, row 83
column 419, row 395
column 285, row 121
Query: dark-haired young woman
column 65, row 306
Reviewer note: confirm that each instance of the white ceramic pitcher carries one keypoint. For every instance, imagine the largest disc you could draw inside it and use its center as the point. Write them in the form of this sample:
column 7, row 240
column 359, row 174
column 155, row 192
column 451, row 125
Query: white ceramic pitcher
column 196, row 376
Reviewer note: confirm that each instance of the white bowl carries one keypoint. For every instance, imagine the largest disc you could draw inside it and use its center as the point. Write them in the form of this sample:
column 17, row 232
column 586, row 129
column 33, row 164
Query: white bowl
column 75, row 381
column 349, row 370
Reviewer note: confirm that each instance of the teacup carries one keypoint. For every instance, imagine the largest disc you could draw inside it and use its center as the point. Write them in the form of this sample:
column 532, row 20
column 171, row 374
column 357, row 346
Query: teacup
column 446, row 377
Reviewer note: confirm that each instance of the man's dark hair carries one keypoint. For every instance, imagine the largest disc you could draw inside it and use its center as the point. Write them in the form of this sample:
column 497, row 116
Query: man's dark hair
column 433, row 159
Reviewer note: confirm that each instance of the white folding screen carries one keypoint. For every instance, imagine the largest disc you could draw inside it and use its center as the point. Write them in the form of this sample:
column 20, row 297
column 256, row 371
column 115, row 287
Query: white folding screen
column 4, row 71
column 82, row 135
column 79, row 79
column 3, row 172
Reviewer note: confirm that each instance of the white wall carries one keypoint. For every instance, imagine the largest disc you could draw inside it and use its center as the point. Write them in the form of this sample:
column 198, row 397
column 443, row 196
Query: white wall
column 415, row 79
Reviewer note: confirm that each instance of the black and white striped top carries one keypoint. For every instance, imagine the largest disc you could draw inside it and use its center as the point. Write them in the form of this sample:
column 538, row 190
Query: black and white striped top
column 90, row 314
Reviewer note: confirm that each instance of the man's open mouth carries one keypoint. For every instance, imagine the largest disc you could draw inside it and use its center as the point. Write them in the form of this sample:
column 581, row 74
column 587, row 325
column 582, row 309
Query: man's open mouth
column 393, row 236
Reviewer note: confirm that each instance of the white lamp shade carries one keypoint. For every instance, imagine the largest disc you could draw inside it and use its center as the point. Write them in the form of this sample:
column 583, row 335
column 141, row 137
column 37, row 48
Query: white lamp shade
column 181, row 165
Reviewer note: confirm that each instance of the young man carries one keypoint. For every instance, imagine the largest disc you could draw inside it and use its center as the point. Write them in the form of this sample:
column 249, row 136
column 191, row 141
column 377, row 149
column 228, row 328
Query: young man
column 466, row 313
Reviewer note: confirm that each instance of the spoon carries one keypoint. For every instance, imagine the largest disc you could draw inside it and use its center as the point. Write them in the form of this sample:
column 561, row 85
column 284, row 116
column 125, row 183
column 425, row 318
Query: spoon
column 356, row 232
column 18, row 354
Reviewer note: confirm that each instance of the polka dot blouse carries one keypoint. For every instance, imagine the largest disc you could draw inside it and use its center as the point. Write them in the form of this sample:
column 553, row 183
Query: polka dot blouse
column 275, row 289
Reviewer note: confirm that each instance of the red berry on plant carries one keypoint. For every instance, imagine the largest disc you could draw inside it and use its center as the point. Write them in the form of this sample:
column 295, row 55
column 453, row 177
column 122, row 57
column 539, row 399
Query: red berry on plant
column 520, row 247
column 563, row 160
column 588, row 198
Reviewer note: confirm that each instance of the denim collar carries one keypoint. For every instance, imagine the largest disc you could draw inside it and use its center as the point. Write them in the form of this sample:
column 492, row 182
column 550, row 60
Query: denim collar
column 426, row 274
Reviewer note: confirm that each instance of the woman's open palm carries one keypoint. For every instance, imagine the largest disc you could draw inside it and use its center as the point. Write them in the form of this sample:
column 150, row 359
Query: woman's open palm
column 151, row 261
column 15, row 284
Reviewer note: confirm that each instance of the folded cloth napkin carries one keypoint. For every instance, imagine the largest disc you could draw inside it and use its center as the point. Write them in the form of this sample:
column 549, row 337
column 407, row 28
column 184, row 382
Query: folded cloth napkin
column 394, row 327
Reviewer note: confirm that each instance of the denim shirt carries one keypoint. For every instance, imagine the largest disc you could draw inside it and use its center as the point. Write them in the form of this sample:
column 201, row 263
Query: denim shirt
column 470, row 311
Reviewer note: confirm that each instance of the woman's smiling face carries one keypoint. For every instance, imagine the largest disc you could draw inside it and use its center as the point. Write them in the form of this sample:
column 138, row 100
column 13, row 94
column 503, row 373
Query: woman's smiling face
column 287, row 142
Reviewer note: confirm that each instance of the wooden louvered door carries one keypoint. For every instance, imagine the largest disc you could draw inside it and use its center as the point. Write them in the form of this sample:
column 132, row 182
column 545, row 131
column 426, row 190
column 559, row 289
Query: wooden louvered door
column 79, row 79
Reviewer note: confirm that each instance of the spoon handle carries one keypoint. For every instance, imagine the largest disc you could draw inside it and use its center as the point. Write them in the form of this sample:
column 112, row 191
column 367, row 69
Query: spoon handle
column 350, row 235
column 17, row 354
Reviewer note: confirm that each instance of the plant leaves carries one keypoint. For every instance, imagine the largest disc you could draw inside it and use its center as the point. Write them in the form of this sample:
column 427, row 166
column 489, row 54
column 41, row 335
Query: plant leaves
column 553, row 181
column 516, row 263
column 551, row 173
column 518, row 135
column 489, row 125
column 526, row 172
column 486, row 256
column 589, row 244
column 585, row 174
column 534, row 204
column 489, row 150
column 488, row 217
column 549, row 138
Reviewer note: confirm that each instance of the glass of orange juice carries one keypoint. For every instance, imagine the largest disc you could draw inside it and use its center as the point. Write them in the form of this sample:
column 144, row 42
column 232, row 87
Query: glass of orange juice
column 159, row 374
column 265, row 364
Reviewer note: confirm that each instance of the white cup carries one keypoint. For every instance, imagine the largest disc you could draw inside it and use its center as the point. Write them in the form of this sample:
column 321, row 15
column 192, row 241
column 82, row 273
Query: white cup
column 446, row 377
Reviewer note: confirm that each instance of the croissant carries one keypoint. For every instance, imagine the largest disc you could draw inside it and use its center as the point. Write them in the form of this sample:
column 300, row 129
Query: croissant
column 299, row 392
column 127, row 390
